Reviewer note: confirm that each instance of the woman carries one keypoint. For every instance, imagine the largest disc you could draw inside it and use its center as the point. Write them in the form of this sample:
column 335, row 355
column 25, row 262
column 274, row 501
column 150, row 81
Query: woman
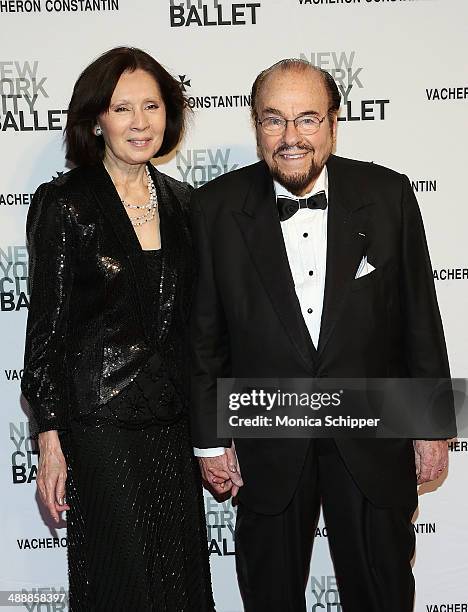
column 106, row 370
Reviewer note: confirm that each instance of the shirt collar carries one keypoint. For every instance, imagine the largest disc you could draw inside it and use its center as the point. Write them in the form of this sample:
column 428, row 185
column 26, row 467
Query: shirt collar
column 321, row 184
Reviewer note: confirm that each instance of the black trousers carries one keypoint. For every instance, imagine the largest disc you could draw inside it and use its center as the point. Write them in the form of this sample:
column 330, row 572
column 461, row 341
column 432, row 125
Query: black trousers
column 371, row 547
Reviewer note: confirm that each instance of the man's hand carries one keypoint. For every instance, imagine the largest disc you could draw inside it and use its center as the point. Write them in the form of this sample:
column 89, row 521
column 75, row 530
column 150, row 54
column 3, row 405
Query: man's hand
column 222, row 473
column 431, row 457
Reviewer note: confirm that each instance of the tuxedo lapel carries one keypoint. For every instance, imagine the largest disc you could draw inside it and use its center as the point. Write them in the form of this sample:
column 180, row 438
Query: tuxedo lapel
column 346, row 243
column 260, row 226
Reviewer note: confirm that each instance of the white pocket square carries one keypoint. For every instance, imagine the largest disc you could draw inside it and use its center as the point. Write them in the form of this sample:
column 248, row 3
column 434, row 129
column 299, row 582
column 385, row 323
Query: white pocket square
column 364, row 268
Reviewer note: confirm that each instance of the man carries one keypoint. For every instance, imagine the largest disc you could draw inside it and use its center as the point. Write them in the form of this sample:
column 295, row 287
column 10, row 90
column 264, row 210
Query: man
column 337, row 285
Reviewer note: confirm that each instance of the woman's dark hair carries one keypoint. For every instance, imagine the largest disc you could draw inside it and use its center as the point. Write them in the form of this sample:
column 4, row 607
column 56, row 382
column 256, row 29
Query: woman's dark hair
column 334, row 96
column 92, row 95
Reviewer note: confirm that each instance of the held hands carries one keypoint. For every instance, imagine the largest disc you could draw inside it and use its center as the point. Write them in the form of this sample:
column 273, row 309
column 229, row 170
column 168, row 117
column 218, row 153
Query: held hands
column 52, row 474
column 431, row 457
column 222, row 473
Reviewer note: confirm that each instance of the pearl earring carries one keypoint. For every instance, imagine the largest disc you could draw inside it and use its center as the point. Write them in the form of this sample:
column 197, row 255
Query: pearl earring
column 98, row 131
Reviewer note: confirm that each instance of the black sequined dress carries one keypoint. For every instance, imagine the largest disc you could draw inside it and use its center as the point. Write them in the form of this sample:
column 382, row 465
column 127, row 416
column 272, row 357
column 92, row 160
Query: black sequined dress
column 136, row 525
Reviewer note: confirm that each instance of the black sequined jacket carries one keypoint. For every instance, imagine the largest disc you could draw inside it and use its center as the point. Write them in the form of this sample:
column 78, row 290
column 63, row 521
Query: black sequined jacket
column 89, row 329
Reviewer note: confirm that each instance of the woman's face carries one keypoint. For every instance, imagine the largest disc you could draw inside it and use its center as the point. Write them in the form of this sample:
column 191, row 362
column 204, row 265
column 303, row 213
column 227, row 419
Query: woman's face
column 133, row 126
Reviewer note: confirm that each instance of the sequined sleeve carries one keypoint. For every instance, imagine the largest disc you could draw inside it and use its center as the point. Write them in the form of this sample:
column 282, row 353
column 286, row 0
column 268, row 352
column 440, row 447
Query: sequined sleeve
column 44, row 382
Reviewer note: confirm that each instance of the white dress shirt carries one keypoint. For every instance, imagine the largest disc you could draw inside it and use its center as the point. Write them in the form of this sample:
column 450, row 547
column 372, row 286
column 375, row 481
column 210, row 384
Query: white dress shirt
column 305, row 239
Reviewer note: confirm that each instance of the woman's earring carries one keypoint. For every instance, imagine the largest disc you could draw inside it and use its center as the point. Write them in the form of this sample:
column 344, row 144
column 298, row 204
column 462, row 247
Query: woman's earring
column 98, row 131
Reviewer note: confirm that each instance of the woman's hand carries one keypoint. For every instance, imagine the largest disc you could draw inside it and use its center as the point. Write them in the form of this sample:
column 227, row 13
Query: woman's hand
column 52, row 474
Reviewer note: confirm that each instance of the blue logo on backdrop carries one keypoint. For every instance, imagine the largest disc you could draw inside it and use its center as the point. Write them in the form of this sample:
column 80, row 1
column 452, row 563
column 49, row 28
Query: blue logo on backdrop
column 22, row 86
column 325, row 597
column 25, row 454
column 342, row 66
column 14, row 292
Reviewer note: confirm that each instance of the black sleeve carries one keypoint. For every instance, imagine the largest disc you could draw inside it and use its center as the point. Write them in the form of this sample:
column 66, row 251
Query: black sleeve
column 209, row 340
column 44, row 382
column 425, row 348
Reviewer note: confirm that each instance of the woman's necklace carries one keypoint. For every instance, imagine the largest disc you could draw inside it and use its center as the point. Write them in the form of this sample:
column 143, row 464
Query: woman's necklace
column 150, row 208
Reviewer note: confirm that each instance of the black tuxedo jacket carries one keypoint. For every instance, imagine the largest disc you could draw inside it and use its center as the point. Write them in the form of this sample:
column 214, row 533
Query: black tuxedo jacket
column 247, row 321
column 90, row 325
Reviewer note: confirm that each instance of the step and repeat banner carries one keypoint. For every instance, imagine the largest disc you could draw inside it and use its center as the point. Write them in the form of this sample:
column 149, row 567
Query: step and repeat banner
column 402, row 70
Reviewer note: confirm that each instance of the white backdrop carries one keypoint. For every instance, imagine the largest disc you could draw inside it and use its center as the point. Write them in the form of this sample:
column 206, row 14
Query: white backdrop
column 402, row 67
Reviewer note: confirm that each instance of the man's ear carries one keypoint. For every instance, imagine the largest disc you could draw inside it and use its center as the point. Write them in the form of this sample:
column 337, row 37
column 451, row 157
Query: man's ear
column 334, row 129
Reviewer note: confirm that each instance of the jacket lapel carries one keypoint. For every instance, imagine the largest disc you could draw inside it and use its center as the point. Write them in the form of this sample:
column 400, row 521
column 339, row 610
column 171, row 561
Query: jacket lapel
column 346, row 243
column 108, row 201
column 170, row 222
column 260, row 226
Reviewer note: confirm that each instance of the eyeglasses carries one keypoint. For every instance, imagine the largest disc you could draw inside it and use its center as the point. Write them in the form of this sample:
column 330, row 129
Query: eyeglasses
column 305, row 124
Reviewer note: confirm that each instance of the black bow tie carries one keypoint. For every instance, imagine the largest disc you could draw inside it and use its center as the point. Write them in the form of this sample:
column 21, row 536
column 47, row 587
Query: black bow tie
column 288, row 207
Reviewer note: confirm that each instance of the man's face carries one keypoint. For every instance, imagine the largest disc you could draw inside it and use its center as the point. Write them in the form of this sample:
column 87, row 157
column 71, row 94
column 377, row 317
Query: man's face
column 295, row 160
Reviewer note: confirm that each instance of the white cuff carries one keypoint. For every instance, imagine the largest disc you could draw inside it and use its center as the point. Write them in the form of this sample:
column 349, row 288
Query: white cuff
column 209, row 452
